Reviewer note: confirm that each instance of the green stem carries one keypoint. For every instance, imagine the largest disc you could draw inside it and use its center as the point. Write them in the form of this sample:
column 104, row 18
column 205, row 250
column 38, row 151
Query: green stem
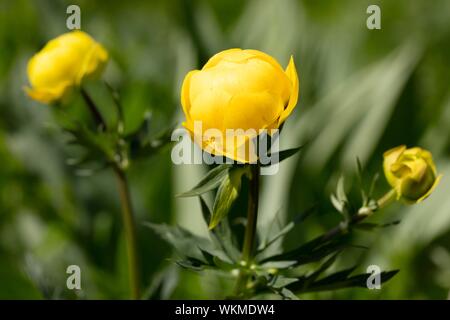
column 382, row 202
column 98, row 118
column 250, row 229
column 125, row 199
column 386, row 199
column 130, row 231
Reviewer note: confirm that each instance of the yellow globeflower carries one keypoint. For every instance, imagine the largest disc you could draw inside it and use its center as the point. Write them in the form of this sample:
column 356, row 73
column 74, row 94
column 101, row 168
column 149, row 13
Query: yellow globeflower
column 411, row 172
column 64, row 63
column 241, row 90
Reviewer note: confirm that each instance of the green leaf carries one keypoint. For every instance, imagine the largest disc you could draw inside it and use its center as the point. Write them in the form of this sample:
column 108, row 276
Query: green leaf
column 142, row 145
column 311, row 251
column 280, row 281
column 192, row 264
column 221, row 235
column 185, row 242
column 340, row 190
column 267, row 241
column 282, row 155
column 226, row 195
column 278, row 264
column 338, row 205
column 338, row 281
column 328, row 263
column 287, row 294
column 211, row 181
column 371, row 226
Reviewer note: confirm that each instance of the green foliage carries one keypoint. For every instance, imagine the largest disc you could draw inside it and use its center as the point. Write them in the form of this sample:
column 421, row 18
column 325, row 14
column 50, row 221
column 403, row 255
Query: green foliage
column 277, row 273
column 361, row 92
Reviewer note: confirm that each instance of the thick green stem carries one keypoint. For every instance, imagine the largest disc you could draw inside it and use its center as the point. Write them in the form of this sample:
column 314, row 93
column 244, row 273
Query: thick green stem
column 250, row 229
column 130, row 231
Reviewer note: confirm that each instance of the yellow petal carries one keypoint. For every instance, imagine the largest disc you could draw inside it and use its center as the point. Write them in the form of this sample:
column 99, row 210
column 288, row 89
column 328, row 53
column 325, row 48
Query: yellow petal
column 215, row 59
column 265, row 57
column 390, row 157
column 426, row 155
column 185, row 93
column 93, row 64
column 252, row 111
column 291, row 73
column 62, row 64
column 209, row 108
column 48, row 95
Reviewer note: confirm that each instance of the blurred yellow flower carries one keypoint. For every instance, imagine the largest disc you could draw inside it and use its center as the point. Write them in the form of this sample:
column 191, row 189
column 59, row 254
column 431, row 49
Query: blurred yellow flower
column 238, row 90
column 64, row 63
column 410, row 172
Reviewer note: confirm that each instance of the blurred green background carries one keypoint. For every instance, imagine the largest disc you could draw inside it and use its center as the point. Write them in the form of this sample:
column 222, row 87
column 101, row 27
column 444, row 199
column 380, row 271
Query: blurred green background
column 361, row 92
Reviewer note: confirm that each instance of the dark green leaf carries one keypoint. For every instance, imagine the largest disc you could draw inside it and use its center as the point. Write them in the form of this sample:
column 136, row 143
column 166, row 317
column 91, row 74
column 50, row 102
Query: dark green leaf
column 211, row 181
column 282, row 155
column 185, row 242
column 339, row 283
column 311, row 251
column 221, row 234
column 299, row 218
column 328, row 263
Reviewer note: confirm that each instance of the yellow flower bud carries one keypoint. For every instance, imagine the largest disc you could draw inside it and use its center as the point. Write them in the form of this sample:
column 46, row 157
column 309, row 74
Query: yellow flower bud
column 64, row 63
column 410, row 172
column 238, row 89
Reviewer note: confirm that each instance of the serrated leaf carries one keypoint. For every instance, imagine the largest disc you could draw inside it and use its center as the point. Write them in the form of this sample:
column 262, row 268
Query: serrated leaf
column 211, row 181
column 221, row 234
column 226, row 195
column 185, row 243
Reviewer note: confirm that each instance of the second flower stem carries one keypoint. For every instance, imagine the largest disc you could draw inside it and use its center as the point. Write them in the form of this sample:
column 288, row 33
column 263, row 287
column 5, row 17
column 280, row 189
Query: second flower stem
column 130, row 232
column 250, row 229
column 386, row 199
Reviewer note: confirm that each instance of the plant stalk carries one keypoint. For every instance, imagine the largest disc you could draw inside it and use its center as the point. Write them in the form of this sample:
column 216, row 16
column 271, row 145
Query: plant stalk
column 386, row 199
column 250, row 229
column 98, row 118
column 382, row 202
column 130, row 232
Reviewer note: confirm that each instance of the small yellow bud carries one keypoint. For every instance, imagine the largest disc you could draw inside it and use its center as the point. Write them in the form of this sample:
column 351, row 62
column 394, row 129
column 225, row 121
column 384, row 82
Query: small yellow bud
column 62, row 64
column 410, row 172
